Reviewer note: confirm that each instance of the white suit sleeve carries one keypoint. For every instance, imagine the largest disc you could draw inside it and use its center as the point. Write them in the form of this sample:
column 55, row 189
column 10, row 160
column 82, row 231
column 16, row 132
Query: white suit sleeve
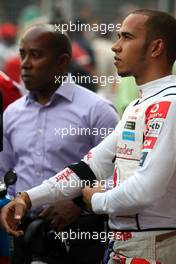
column 150, row 181
column 66, row 184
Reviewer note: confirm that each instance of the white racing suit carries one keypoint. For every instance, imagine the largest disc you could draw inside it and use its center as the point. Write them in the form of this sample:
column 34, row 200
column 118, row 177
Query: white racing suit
column 143, row 144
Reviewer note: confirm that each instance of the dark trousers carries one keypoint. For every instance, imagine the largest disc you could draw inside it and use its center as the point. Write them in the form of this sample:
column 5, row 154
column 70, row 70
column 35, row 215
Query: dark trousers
column 81, row 251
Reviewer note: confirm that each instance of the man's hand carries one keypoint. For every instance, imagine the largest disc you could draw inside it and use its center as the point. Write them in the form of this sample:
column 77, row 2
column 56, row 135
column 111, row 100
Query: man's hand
column 61, row 214
column 88, row 193
column 12, row 213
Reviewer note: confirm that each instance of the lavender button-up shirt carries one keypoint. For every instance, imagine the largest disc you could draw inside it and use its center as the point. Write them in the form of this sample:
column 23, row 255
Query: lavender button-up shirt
column 40, row 140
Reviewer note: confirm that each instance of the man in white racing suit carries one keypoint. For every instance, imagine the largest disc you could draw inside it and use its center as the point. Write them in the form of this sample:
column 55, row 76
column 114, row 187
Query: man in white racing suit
column 140, row 153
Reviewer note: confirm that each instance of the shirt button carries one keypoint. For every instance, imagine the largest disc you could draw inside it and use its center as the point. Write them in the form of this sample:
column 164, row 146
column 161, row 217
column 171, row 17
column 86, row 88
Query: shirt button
column 38, row 173
column 40, row 131
column 38, row 152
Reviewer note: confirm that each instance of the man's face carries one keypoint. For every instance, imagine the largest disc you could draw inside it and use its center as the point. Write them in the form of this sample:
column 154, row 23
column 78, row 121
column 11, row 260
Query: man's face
column 130, row 49
column 39, row 63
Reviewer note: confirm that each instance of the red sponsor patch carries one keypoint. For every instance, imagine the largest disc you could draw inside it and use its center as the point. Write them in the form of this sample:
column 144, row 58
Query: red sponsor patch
column 158, row 110
column 117, row 258
column 149, row 142
column 143, row 261
column 64, row 175
column 140, row 261
column 123, row 236
column 154, row 114
column 115, row 177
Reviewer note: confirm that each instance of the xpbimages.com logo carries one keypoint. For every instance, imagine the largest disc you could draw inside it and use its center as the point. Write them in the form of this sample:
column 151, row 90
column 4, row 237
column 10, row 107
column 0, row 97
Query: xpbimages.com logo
column 82, row 131
column 63, row 181
column 94, row 235
column 101, row 80
column 102, row 28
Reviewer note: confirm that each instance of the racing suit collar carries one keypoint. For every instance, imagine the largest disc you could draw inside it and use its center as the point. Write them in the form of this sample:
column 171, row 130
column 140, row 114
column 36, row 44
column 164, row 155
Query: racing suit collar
column 155, row 86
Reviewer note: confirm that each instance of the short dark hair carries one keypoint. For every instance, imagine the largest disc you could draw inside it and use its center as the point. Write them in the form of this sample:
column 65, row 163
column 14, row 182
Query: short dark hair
column 62, row 43
column 59, row 41
column 161, row 25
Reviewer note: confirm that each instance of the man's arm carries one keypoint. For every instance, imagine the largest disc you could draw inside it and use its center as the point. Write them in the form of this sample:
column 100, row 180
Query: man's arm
column 67, row 184
column 64, row 185
column 150, row 181
column 62, row 213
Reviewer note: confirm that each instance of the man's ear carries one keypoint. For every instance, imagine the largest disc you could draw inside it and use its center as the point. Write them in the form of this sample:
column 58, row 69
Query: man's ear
column 63, row 62
column 157, row 48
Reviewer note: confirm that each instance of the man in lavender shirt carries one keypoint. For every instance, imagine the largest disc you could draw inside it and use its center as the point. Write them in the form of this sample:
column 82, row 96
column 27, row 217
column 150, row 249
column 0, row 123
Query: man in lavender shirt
column 54, row 124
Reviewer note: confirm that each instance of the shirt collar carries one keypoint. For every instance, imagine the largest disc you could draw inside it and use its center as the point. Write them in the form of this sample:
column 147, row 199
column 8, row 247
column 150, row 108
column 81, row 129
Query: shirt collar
column 150, row 88
column 65, row 90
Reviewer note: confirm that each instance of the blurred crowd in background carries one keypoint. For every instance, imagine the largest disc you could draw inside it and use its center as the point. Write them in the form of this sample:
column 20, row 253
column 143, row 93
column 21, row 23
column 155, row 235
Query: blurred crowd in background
column 92, row 55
